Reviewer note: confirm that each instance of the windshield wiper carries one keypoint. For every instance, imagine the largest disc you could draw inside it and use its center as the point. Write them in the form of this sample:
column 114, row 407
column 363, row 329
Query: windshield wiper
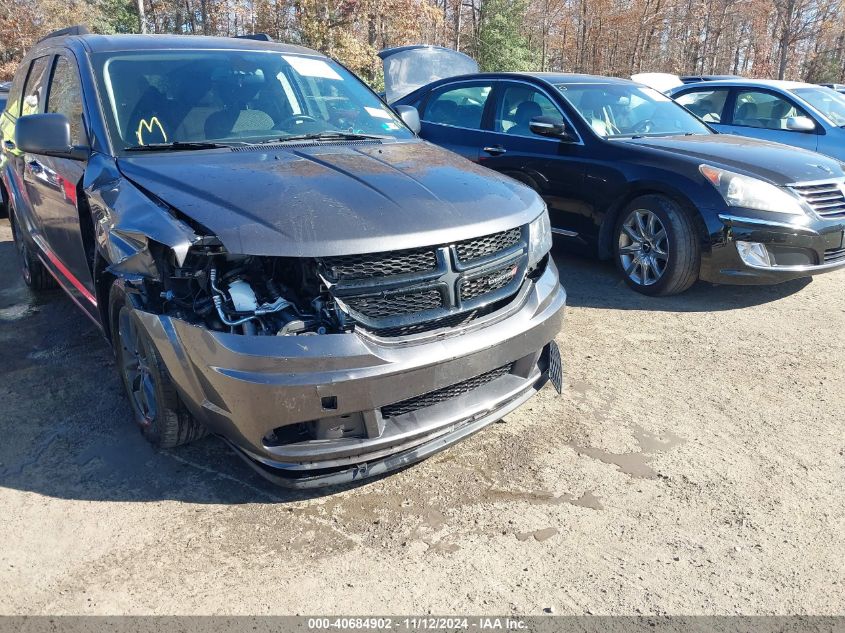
column 329, row 136
column 177, row 146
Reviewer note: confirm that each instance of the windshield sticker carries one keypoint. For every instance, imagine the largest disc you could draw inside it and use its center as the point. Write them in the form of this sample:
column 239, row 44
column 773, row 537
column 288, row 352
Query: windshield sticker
column 151, row 127
column 378, row 113
column 308, row 67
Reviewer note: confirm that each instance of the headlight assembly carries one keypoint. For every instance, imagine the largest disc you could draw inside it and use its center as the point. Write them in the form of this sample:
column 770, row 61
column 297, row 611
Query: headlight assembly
column 750, row 193
column 539, row 239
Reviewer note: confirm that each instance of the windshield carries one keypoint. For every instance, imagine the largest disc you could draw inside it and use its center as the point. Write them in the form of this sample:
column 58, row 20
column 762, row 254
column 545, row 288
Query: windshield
column 155, row 97
column 827, row 101
column 625, row 110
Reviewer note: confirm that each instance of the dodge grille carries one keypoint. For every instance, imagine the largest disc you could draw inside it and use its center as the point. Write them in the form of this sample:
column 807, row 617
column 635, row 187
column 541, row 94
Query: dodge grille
column 407, row 292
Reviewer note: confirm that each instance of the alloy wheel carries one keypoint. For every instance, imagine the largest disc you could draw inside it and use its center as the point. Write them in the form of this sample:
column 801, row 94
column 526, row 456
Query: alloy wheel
column 643, row 247
column 135, row 367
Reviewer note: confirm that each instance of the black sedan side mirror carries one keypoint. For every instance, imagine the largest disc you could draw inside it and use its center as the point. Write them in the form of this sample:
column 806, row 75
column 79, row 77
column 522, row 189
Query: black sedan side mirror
column 550, row 126
column 411, row 116
column 47, row 134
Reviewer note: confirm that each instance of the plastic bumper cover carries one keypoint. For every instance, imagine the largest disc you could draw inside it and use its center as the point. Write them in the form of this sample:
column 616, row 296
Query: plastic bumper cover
column 244, row 387
column 793, row 250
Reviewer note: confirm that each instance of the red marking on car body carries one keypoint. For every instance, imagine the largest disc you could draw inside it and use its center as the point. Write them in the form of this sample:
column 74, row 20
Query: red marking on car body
column 54, row 259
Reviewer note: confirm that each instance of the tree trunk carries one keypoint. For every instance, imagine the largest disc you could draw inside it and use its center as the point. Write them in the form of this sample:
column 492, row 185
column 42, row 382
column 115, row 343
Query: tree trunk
column 204, row 16
column 458, row 13
column 142, row 18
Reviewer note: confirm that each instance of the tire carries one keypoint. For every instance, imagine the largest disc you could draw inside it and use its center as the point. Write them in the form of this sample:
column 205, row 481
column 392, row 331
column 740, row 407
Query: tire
column 34, row 273
column 4, row 202
column 159, row 413
column 655, row 246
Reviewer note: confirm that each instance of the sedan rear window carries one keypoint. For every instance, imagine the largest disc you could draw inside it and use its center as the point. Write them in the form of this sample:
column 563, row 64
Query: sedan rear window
column 461, row 107
column 707, row 105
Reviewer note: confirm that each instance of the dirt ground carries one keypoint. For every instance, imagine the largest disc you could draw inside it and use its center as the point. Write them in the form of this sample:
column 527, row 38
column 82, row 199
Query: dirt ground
column 694, row 465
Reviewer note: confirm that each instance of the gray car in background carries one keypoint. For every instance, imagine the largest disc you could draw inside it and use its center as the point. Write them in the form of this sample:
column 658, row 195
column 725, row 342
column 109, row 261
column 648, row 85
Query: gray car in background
column 789, row 112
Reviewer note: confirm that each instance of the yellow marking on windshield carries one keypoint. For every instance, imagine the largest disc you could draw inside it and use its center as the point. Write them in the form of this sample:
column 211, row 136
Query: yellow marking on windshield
column 149, row 125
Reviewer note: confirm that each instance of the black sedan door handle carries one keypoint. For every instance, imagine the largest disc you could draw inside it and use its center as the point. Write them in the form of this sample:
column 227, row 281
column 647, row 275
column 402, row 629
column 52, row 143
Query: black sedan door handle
column 10, row 145
column 495, row 150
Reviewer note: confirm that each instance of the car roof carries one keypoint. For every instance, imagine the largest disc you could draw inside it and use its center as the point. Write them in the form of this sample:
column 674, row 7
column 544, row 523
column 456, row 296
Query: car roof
column 552, row 78
column 113, row 43
column 754, row 83
column 711, row 77
column 575, row 78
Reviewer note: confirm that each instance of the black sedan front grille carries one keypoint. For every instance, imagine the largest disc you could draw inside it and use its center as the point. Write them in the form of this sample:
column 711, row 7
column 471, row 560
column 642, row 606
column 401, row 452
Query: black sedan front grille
column 833, row 255
column 442, row 395
column 827, row 199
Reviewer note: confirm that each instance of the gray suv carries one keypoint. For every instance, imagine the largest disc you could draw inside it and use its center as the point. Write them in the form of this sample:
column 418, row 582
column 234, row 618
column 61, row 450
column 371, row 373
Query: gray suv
column 274, row 255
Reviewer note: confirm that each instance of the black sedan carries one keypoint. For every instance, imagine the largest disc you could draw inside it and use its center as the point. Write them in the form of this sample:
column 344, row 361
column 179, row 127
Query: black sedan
column 629, row 174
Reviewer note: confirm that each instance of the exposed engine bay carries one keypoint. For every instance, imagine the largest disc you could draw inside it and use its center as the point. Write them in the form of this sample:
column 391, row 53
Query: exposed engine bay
column 251, row 295
column 388, row 294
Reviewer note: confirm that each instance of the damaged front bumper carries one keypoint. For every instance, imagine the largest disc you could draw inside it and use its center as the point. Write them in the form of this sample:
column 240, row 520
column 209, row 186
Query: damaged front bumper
column 753, row 250
column 325, row 409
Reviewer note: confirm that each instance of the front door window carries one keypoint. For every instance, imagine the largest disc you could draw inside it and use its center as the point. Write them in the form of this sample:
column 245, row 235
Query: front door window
column 764, row 110
column 518, row 105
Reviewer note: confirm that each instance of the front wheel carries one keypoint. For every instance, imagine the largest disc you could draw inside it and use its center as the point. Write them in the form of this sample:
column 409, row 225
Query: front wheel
column 156, row 406
column 656, row 249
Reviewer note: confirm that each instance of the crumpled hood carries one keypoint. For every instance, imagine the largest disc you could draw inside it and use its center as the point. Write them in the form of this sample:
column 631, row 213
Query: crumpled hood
column 780, row 164
column 338, row 199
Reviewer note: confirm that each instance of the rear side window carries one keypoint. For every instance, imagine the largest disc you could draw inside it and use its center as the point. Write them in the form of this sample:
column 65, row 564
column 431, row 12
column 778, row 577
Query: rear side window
column 35, row 92
column 461, row 107
column 65, row 97
column 707, row 105
column 13, row 105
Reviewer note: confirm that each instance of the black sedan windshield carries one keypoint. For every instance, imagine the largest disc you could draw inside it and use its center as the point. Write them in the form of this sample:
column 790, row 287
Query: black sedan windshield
column 171, row 97
column 625, row 110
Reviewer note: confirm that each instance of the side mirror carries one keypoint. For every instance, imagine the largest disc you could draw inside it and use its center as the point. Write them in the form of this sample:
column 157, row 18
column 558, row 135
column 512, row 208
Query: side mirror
column 411, row 116
column 800, row 124
column 47, row 134
column 550, row 126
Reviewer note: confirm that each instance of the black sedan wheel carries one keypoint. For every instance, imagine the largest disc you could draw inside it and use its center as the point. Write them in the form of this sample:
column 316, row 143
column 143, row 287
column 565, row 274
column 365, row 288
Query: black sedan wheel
column 160, row 414
column 656, row 250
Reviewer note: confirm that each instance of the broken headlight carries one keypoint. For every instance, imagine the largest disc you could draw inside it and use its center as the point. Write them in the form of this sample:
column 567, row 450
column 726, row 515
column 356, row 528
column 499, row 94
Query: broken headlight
column 252, row 295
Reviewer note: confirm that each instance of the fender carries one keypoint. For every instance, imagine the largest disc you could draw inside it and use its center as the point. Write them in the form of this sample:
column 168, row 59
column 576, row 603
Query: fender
column 641, row 188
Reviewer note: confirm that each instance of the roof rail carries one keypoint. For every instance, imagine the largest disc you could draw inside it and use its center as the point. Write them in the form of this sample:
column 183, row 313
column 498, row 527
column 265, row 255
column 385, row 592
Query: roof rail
column 79, row 29
column 260, row 37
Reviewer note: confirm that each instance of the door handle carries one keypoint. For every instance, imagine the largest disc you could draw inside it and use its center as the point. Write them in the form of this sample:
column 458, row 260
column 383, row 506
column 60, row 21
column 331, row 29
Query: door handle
column 10, row 145
column 495, row 150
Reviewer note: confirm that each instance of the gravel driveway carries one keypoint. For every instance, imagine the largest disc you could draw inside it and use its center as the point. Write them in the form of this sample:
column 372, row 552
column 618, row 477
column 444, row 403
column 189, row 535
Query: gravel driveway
column 693, row 465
